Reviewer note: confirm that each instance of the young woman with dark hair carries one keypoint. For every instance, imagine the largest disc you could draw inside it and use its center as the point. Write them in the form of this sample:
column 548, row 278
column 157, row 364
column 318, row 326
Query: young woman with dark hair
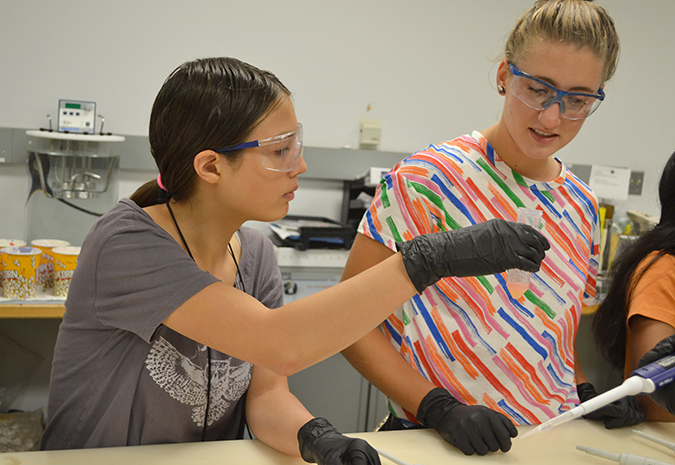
column 175, row 328
column 639, row 309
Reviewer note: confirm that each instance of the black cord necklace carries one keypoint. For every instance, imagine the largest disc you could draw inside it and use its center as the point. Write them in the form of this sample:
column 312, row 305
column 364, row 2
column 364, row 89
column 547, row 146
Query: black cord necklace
column 208, row 349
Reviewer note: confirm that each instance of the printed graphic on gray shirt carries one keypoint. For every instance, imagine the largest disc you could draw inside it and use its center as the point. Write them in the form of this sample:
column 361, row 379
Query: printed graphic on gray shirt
column 186, row 381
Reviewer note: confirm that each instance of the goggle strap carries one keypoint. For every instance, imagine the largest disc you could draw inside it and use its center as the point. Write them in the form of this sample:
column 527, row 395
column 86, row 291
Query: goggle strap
column 245, row 145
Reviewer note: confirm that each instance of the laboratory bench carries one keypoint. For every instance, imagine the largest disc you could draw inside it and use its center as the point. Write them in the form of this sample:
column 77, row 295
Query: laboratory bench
column 31, row 309
column 552, row 447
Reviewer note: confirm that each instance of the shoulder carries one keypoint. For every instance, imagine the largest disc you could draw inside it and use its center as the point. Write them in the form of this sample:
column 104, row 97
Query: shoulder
column 259, row 268
column 256, row 239
column 256, row 245
column 124, row 215
column 448, row 157
column 574, row 183
column 662, row 267
column 125, row 230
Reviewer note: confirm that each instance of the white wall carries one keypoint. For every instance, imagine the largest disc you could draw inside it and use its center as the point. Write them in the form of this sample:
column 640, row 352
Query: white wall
column 425, row 67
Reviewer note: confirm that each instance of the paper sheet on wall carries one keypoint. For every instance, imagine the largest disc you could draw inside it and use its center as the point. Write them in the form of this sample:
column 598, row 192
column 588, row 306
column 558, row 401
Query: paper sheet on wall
column 609, row 182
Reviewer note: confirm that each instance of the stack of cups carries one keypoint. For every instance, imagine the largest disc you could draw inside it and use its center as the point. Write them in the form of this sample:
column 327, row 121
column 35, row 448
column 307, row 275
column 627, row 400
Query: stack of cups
column 65, row 261
column 7, row 243
column 46, row 268
column 20, row 266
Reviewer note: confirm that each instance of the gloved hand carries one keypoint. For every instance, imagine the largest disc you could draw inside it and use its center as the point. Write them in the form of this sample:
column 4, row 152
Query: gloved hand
column 471, row 428
column 484, row 248
column 622, row 412
column 321, row 443
column 665, row 396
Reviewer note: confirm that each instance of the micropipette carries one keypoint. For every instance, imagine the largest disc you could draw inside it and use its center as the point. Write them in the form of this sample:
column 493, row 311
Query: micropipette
column 668, row 444
column 396, row 460
column 644, row 380
column 623, row 459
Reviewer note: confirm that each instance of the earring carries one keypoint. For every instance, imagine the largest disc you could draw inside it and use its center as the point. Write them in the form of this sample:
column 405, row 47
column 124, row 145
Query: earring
column 501, row 90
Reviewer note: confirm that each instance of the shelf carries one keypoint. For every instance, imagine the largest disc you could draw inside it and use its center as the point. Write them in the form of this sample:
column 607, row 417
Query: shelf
column 32, row 310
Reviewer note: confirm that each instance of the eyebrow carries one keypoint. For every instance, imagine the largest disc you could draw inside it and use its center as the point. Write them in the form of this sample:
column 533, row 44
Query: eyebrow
column 586, row 90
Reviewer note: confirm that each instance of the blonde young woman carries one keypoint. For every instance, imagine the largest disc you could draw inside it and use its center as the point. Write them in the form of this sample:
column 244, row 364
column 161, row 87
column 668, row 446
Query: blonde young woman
column 471, row 357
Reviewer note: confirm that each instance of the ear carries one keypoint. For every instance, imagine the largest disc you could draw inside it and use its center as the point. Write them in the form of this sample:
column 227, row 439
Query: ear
column 207, row 166
column 502, row 73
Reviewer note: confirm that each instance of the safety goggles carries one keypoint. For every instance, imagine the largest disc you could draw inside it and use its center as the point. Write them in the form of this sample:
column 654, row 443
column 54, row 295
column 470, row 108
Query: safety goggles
column 278, row 153
column 539, row 95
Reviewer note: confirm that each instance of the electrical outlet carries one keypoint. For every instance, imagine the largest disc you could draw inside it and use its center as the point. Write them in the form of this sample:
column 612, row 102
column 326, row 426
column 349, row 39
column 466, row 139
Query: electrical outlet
column 636, row 180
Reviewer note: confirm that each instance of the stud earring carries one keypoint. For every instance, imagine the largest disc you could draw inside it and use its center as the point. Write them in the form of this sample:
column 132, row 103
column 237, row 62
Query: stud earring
column 501, row 90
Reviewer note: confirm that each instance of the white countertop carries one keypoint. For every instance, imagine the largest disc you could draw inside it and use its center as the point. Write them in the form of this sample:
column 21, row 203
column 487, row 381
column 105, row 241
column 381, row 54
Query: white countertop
column 556, row 446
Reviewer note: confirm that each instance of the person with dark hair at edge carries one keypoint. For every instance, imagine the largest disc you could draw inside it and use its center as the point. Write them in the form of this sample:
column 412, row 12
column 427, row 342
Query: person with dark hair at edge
column 635, row 323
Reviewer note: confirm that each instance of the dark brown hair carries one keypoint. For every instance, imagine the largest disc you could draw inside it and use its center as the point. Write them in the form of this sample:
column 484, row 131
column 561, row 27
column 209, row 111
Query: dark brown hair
column 204, row 104
column 609, row 323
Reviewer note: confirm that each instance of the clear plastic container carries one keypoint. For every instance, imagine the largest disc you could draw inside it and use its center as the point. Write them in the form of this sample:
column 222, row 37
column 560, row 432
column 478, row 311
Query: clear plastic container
column 518, row 281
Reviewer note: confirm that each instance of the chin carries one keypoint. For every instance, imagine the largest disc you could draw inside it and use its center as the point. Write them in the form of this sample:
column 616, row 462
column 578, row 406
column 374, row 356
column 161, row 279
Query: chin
column 275, row 215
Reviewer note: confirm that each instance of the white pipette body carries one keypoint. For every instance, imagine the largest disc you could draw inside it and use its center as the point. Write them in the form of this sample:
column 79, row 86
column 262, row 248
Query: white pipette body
column 649, row 437
column 394, row 459
column 623, row 459
column 630, row 387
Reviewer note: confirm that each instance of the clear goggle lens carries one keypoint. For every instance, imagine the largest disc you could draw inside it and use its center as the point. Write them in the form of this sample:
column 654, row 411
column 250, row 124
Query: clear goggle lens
column 540, row 95
column 281, row 153
column 278, row 153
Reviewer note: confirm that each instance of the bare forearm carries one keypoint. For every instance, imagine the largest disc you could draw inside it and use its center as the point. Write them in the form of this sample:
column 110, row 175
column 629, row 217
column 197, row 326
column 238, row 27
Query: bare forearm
column 579, row 376
column 377, row 360
column 274, row 414
column 301, row 333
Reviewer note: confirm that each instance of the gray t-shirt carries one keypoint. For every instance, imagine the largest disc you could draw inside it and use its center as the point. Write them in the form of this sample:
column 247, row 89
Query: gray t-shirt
column 119, row 376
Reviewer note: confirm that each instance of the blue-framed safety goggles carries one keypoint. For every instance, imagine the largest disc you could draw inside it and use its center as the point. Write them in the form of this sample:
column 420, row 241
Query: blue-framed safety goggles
column 539, row 95
column 278, row 153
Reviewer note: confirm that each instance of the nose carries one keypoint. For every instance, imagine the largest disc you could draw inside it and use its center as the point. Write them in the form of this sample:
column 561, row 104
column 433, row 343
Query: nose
column 300, row 168
column 551, row 116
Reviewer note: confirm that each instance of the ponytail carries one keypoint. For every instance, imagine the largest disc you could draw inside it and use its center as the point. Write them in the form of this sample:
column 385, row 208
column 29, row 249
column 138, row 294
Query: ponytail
column 150, row 194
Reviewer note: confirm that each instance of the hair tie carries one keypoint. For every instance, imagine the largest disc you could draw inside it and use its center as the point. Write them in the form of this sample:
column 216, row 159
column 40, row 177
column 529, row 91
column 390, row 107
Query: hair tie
column 159, row 183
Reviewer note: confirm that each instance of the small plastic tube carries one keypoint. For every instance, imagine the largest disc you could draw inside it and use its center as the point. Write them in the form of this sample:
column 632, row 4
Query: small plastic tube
column 518, row 281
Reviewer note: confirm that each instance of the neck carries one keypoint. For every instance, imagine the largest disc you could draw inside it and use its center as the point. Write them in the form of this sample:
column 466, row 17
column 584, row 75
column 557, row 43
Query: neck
column 208, row 236
column 503, row 144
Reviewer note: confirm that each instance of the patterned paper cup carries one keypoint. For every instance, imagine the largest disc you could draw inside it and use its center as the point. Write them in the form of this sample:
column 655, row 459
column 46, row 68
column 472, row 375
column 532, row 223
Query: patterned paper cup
column 8, row 243
column 46, row 269
column 65, row 261
column 12, row 243
column 20, row 266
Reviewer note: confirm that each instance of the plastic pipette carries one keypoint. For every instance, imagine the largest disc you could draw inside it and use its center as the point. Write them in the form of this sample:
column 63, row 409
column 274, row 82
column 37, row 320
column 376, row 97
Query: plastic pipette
column 623, row 459
column 668, row 444
column 396, row 460
column 644, row 380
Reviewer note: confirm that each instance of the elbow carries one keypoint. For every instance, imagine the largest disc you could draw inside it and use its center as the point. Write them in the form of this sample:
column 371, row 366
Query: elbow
column 286, row 363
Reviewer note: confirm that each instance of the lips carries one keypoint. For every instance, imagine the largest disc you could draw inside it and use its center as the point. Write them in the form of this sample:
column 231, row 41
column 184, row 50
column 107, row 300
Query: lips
column 542, row 137
column 542, row 133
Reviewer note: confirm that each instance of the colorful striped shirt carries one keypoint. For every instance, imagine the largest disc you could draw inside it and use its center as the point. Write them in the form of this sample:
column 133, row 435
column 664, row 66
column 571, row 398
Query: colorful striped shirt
column 469, row 335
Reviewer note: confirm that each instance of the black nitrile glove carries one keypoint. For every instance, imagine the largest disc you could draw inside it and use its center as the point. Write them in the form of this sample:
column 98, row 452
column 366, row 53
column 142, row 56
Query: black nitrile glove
column 482, row 249
column 665, row 396
column 622, row 412
column 474, row 429
column 321, row 443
